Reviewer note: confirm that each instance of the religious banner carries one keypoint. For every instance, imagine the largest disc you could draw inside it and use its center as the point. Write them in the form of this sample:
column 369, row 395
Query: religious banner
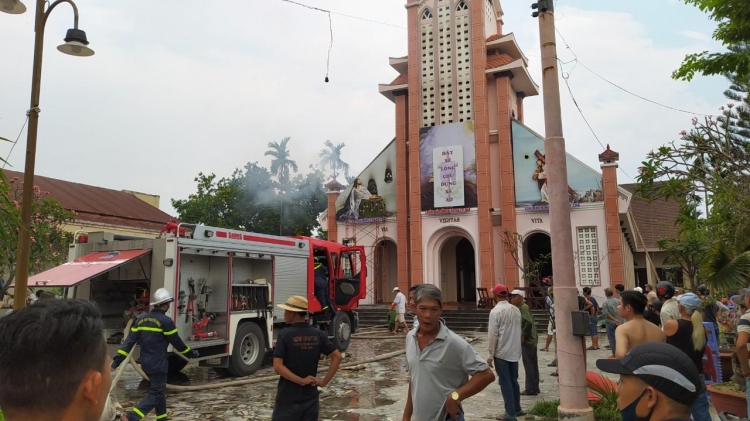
column 448, row 171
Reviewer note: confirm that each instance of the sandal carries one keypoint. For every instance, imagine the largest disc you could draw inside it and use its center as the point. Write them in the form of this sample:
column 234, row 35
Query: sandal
column 591, row 348
column 544, row 349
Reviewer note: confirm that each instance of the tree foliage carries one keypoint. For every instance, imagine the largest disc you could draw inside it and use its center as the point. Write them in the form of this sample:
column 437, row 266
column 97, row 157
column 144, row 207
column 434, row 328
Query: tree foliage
column 281, row 166
column 711, row 163
column 250, row 200
column 330, row 156
column 49, row 243
column 733, row 29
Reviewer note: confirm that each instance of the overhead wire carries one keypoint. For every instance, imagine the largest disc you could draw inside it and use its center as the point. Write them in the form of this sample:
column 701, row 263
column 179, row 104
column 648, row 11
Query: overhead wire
column 330, row 29
column 16, row 142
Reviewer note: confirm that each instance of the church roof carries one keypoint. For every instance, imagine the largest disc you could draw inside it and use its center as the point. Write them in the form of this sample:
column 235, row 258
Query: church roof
column 400, row 80
column 498, row 60
column 655, row 219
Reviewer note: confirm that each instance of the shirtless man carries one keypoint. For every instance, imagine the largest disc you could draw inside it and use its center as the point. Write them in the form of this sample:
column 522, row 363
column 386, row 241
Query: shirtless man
column 636, row 330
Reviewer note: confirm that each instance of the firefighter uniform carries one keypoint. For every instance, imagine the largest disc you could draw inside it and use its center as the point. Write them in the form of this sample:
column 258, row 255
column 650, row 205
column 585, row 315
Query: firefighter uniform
column 321, row 289
column 154, row 331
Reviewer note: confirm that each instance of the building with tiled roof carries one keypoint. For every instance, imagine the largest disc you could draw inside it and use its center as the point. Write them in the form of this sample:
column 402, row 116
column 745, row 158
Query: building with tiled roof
column 99, row 209
column 459, row 199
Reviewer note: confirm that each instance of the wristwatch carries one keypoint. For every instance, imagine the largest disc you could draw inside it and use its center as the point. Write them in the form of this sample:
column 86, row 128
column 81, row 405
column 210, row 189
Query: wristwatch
column 455, row 397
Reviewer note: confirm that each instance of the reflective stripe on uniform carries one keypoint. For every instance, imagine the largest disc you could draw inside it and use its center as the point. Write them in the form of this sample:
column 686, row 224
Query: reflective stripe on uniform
column 185, row 351
column 138, row 411
column 171, row 332
column 161, row 417
column 147, row 329
column 121, row 352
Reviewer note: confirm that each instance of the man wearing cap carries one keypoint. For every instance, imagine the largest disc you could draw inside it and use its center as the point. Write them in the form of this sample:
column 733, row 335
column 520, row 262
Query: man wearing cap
column 295, row 359
column 504, row 334
column 529, row 340
column 400, row 301
column 657, row 382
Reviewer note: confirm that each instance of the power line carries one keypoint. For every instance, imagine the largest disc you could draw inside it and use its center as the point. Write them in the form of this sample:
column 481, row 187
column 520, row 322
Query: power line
column 16, row 142
column 345, row 15
column 577, row 61
column 330, row 29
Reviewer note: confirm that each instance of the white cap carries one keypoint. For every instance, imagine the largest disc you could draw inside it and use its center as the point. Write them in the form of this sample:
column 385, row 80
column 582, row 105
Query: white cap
column 396, row 289
column 639, row 289
column 516, row 292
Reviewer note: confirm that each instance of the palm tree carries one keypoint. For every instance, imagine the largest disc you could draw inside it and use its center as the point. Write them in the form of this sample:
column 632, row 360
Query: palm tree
column 331, row 157
column 281, row 165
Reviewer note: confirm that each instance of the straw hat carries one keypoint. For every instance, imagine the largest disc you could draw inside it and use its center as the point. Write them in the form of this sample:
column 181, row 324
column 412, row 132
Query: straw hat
column 295, row 303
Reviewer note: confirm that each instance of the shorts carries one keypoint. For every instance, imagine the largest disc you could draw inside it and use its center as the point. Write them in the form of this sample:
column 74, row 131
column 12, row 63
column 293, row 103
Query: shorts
column 400, row 318
column 550, row 330
column 593, row 325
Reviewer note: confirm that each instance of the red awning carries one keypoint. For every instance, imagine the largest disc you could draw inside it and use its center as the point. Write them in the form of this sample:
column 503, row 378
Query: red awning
column 84, row 268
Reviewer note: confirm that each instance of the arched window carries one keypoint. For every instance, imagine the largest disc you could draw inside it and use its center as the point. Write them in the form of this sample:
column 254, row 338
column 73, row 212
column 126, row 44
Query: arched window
column 462, row 6
column 427, row 14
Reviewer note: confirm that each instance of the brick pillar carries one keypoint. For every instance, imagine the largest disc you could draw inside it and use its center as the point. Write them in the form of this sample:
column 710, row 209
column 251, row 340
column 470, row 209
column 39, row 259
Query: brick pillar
column 519, row 106
column 507, row 176
column 482, row 139
column 413, row 123
column 608, row 160
column 333, row 189
column 402, row 190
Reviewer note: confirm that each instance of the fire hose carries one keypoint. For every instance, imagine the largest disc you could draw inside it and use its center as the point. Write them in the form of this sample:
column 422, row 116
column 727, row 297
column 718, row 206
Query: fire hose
column 241, row 382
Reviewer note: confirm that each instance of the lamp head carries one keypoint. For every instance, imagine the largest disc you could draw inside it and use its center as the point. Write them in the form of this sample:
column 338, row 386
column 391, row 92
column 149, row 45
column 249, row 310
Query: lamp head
column 76, row 44
column 13, row 7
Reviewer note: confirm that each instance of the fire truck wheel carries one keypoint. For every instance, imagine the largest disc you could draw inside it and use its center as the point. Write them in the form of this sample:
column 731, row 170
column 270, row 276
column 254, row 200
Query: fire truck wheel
column 249, row 349
column 342, row 331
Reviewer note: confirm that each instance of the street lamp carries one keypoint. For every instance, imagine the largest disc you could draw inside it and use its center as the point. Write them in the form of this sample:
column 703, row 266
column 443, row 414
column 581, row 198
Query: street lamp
column 75, row 44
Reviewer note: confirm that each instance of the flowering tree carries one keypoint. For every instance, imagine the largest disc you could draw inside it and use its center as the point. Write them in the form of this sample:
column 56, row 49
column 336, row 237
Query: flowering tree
column 49, row 243
column 712, row 160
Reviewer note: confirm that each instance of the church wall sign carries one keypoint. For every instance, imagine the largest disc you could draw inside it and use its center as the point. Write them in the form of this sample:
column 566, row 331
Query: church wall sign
column 530, row 168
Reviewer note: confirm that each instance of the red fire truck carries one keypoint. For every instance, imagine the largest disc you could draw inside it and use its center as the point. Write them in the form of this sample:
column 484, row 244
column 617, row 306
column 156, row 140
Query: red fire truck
column 226, row 285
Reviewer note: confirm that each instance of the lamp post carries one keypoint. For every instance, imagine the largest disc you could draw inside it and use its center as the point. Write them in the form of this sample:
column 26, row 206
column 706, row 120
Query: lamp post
column 75, row 44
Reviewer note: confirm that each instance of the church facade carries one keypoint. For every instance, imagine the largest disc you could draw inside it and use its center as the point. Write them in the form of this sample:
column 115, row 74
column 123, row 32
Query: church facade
column 458, row 199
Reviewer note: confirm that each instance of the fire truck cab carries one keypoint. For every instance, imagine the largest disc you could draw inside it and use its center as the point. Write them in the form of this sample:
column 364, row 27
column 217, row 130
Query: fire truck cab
column 226, row 285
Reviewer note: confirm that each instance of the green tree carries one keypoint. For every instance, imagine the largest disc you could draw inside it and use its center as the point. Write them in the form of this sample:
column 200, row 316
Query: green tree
column 330, row 156
column 733, row 29
column 49, row 243
column 689, row 250
column 281, row 165
column 248, row 200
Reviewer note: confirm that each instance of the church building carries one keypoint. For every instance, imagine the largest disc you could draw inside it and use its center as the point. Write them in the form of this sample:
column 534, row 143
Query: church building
column 458, row 199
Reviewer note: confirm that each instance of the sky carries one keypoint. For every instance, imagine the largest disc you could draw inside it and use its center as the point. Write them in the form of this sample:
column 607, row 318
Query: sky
column 176, row 88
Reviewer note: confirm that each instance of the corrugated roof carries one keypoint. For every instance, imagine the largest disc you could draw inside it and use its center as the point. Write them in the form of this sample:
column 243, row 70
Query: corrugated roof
column 498, row 60
column 99, row 204
column 655, row 218
column 494, row 37
column 400, row 80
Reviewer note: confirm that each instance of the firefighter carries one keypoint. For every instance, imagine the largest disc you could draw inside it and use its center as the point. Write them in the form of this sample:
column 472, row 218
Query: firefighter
column 154, row 331
column 321, row 288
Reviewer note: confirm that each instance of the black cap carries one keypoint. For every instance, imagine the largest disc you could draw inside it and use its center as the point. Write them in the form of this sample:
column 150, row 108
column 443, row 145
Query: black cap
column 664, row 367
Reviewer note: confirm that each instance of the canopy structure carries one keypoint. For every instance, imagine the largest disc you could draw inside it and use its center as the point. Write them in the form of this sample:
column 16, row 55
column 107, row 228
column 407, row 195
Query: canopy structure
column 84, row 268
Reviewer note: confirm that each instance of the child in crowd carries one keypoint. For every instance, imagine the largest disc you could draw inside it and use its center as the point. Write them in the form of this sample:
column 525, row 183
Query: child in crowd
column 392, row 318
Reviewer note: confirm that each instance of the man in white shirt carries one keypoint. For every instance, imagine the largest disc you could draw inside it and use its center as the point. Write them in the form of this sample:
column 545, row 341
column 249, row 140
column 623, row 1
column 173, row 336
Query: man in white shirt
column 400, row 302
column 504, row 342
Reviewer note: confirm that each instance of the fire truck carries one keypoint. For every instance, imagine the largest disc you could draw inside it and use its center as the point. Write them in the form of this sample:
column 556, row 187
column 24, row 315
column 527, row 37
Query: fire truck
column 226, row 285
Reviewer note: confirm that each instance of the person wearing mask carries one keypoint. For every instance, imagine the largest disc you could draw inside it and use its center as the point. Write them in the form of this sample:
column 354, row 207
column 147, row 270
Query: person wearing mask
column 612, row 316
column 504, row 334
column 636, row 330
column 743, row 339
column 593, row 313
column 689, row 335
column 436, row 389
column 529, row 339
column 154, row 332
column 295, row 359
column 665, row 292
column 66, row 377
column 658, row 382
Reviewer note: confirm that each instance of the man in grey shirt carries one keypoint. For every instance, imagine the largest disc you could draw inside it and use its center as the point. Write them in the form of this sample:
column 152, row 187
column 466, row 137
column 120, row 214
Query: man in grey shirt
column 444, row 369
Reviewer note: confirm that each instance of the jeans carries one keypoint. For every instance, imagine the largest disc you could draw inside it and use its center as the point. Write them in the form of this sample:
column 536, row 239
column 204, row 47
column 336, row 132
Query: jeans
column 531, row 367
column 700, row 407
column 611, row 336
column 507, row 377
column 592, row 325
column 156, row 399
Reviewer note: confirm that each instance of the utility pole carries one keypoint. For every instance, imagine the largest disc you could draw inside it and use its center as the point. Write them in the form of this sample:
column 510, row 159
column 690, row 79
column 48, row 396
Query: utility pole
column 570, row 360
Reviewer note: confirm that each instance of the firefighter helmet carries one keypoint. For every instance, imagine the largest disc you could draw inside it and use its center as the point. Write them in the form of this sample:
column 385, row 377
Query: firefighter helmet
column 161, row 296
column 664, row 290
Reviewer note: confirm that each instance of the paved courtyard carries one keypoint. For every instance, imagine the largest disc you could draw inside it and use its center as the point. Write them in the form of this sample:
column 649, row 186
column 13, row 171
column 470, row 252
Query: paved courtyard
column 375, row 391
